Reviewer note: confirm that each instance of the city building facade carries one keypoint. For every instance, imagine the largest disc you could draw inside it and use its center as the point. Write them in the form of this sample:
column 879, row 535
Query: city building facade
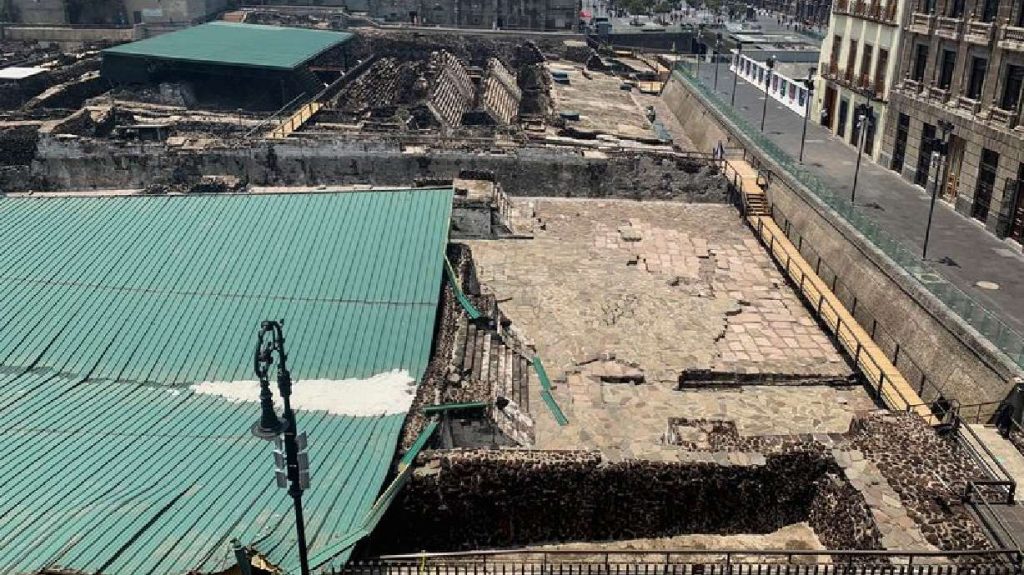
column 497, row 14
column 858, row 65
column 114, row 13
column 962, row 65
column 813, row 13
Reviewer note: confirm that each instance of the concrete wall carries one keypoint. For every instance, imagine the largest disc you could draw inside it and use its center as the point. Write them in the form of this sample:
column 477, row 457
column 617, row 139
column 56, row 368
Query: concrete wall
column 49, row 12
column 68, row 163
column 942, row 346
column 69, row 37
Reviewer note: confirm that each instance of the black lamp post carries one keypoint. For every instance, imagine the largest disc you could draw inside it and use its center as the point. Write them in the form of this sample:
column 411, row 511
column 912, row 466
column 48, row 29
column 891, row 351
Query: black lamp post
column 295, row 474
column 940, row 147
column 718, row 50
column 865, row 118
column 767, row 85
column 736, row 73
column 700, row 46
column 809, row 84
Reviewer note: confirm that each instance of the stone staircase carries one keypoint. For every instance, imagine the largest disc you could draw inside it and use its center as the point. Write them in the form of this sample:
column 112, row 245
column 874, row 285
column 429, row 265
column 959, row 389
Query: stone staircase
column 501, row 93
column 489, row 361
column 453, row 92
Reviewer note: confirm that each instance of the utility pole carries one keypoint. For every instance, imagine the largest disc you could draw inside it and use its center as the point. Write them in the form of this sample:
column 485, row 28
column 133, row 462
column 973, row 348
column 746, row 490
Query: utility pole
column 718, row 50
column 736, row 73
column 865, row 118
column 940, row 150
column 293, row 464
column 809, row 84
column 767, row 86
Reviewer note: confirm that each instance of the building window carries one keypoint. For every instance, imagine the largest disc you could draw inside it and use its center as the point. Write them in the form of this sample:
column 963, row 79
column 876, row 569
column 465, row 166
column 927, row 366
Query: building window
column 881, row 67
column 927, row 6
column 986, row 182
column 865, row 60
column 837, row 45
column 900, row 150
column 976, row 80
column 924, row 154
column 792, row 91
column 946, row 70
column 920, row 62
column 956, row 8
column 989, row 10
column 801, row 95
column 1012, row 84
column 851, row 57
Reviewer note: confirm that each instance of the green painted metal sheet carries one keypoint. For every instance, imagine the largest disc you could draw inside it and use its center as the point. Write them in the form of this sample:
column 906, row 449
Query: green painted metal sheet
column 545, row 392
column 114, row 306
column 453, row 279
column 234, row 44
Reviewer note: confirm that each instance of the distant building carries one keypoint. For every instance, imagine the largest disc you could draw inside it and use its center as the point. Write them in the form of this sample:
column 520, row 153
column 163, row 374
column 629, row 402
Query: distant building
column 807, row 12
column 857, row 65
column 113, row 12
column 963, row 62
column 503, row 14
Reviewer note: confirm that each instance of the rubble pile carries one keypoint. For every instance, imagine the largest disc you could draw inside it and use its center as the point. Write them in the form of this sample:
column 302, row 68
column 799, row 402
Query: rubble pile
column 474, row 499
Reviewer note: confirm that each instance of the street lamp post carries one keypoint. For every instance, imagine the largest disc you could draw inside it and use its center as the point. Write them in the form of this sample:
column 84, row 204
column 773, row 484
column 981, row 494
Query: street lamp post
column 700, row 46
column 736, row 73
column 865, row 118
column 809, row 84
column 940, row 149
column 718, row 50
column 294, row 461
column 767, row 85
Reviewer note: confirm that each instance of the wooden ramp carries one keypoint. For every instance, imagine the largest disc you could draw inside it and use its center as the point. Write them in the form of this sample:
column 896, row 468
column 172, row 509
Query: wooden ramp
column 868, row 358
column 295, row 121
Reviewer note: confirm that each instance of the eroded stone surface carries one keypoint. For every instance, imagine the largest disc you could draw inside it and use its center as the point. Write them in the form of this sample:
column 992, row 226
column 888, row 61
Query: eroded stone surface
column 668, row 286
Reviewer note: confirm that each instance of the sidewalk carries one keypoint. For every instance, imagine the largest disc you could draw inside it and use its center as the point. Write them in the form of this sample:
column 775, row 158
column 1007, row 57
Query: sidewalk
column 960, row 249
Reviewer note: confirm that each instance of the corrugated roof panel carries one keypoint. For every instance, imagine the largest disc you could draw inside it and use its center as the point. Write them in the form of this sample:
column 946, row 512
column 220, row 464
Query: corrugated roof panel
column 236, row 44
column 132, row 299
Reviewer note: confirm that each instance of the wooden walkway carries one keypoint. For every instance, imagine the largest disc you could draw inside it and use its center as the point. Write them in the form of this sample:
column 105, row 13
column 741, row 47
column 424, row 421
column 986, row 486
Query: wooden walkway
column 868, row 358
column 295, row 121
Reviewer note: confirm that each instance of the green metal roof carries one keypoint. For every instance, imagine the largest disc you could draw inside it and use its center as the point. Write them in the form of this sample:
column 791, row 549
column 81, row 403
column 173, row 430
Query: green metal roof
column 231, row 43
column 113, row 306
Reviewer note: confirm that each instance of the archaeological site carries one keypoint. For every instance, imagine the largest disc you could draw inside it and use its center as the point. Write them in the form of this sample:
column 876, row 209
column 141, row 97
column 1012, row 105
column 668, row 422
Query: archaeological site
column 548, row 309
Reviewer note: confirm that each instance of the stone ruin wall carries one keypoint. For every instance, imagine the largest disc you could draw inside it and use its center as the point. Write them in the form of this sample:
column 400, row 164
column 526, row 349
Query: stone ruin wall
column 479, row 499
column 501, row 94
column 78, row 163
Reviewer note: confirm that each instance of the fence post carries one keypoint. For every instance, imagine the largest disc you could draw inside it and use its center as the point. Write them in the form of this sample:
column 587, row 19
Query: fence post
column 821, row 298
column 817, row 266
column 896, row 353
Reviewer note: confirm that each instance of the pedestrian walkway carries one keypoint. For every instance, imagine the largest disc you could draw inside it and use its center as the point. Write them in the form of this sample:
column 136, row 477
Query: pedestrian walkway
column 961, row 252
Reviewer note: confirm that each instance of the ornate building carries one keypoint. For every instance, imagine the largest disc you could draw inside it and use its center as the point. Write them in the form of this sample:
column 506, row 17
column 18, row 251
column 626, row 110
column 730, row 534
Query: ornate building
column 962, row 65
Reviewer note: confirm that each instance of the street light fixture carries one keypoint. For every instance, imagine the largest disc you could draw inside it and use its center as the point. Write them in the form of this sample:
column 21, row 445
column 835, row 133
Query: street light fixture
column 865, row 119
column 718, row 50
column 809, row 84
column 940, row 150
column 767, row 85
column 736, row 73
column 292, row 465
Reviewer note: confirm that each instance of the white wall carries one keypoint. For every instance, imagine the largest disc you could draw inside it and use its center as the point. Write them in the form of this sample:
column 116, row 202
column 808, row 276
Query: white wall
column 785, row 90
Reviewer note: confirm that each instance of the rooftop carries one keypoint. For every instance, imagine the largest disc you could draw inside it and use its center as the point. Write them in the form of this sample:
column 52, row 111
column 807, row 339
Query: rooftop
column 234, row 44
column 122, row 307
column 19, row 72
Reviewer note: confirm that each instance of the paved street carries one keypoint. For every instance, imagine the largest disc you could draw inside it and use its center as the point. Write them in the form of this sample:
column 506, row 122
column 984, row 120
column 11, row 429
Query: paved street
column 960, row 249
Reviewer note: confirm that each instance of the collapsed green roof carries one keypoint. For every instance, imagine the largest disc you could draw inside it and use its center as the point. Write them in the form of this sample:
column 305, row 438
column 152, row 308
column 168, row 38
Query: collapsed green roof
column 235, row 44
column 115, row 306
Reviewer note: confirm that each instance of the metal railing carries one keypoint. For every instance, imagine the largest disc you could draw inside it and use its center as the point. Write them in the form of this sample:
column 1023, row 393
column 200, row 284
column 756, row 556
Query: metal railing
column 973, row 313
column 693, row 562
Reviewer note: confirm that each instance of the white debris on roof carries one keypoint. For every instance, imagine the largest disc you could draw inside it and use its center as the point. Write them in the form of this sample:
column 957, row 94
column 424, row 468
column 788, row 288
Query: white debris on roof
column 386, row 393
column 19, row 72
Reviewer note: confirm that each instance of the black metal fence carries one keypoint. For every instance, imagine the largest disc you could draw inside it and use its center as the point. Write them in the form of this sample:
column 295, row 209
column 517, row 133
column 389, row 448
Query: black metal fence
column 694, row 562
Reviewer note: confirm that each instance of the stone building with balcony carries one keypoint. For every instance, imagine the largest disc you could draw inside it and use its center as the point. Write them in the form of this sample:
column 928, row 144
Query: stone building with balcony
column 962, row 61
column 857, row 65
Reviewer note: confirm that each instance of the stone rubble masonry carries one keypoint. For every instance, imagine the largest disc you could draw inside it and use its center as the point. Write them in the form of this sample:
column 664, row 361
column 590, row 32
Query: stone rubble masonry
column 478, row 499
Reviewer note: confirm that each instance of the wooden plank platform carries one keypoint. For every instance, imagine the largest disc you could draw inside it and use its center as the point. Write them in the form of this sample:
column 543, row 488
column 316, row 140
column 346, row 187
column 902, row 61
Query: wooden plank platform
column 295, row 121
column 869, row 359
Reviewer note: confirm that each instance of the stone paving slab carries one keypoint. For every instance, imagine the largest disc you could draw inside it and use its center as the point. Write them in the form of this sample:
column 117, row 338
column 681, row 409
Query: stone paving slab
column 668, row 286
